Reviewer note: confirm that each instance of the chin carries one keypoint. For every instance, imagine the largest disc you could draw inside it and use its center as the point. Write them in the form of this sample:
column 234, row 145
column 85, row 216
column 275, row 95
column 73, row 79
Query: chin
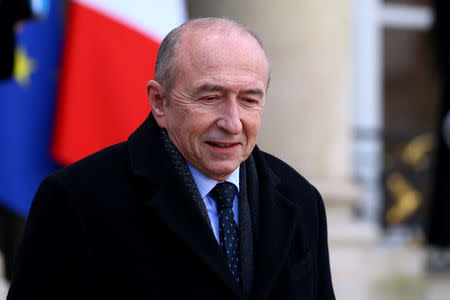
column 222, row 173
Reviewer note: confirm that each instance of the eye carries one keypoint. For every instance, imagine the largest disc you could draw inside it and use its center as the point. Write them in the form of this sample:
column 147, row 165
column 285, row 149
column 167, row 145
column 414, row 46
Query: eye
column 250, row 100
column 209, row 98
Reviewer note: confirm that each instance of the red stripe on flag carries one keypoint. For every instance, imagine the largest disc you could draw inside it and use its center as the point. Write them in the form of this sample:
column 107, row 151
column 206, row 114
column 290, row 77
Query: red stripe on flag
column 102, row 99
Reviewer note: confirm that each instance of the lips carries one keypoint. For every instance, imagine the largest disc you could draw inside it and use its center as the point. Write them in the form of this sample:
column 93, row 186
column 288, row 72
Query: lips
column 222, row 145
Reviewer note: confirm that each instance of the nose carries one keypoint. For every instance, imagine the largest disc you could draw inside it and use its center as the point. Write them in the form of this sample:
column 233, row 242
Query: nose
column 230, row 120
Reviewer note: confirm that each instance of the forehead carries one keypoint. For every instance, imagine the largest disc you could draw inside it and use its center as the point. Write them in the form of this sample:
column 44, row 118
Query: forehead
column 221, row 53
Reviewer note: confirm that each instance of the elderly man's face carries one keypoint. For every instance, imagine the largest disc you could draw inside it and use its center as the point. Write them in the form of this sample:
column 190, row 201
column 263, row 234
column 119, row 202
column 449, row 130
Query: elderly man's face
column 216, row 103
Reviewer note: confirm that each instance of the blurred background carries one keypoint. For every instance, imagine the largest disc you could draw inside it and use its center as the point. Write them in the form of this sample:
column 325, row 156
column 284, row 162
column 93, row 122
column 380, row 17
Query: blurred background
column 357, row 104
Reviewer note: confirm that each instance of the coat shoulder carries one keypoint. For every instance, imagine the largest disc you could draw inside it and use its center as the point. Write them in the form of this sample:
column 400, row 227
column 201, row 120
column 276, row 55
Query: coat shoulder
column 284, row 171
column 291, row 182
column 97, row 168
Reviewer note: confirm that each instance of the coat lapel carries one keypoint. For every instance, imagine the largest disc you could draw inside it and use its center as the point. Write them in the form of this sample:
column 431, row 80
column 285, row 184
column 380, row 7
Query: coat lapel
column 246, row 236
column 172, row 202
column 277, row 219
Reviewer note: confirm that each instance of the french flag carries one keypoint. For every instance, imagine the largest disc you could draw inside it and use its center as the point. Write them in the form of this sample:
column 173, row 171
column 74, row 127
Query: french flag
column 109, row 55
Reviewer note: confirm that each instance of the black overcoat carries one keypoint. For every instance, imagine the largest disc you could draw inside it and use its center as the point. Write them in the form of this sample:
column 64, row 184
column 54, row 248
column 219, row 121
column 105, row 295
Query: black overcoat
column 117, row 225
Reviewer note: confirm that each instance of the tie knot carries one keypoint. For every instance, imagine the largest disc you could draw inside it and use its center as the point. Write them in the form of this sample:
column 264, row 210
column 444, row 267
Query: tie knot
column 223, row 193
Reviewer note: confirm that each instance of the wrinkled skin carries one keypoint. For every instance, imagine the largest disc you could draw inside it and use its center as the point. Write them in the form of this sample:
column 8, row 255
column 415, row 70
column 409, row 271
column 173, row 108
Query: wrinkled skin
column 213, row 111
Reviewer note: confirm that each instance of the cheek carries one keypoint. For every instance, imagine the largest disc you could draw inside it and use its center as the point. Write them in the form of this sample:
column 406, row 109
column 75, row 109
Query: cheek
column 201, row 120
column 185, row 118
column 196, row 127
column 252, row 127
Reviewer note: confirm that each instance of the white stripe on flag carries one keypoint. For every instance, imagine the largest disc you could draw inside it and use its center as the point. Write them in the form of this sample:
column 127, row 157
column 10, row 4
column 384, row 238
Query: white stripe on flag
column 151, row 17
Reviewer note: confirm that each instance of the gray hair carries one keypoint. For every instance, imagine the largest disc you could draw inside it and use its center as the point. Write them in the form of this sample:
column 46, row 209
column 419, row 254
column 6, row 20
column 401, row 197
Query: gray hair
column 166, row 69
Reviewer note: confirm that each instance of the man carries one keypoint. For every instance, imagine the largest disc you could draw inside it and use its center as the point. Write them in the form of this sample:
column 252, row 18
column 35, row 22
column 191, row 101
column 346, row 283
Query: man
column 188, row 207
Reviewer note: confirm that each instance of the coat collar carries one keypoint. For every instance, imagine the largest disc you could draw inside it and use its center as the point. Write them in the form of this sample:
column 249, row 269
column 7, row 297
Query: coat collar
column 276, row 216
column 147, row 154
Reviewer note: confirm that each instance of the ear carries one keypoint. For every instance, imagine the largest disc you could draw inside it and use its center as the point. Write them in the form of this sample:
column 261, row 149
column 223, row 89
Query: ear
column 156, row 95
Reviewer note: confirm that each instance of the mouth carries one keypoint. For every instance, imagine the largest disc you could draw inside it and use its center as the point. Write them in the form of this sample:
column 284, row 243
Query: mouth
column 222, row 145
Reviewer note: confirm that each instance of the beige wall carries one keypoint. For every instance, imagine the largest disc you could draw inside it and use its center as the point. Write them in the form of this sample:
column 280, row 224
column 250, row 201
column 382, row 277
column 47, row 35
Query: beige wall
column 307, row 116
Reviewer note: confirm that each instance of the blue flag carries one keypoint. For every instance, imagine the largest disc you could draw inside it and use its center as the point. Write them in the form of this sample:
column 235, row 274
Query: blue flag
column 27, row 104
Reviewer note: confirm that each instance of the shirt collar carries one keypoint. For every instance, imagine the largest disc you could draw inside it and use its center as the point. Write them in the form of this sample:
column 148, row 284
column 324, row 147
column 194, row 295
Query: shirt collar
column 205, row 184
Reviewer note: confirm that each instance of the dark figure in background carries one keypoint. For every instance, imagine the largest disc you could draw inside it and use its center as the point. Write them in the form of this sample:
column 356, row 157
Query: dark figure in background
column 12, row 12
column 446, row 129
column 188, row 207
column 438, row 231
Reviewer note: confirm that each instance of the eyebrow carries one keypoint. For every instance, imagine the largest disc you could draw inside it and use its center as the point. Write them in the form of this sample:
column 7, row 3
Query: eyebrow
column 254, row 92
column 217, row 88
column 210, row 88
